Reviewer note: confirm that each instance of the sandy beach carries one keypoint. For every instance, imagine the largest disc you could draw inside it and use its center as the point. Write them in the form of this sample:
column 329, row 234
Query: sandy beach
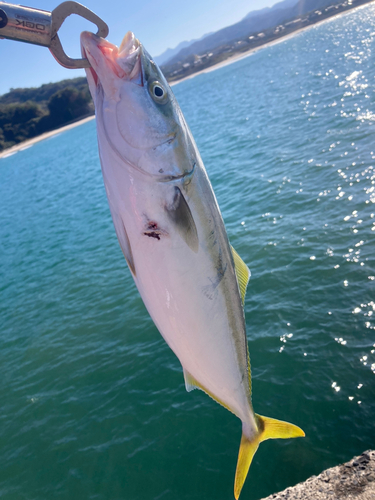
column 238, row 57
column 232, row 59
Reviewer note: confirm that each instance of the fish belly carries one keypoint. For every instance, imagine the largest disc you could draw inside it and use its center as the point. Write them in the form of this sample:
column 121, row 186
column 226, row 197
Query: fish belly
column 192, row 296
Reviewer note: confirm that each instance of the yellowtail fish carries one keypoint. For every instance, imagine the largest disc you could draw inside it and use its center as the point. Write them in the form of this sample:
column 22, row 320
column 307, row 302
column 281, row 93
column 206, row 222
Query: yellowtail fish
column 172, row 234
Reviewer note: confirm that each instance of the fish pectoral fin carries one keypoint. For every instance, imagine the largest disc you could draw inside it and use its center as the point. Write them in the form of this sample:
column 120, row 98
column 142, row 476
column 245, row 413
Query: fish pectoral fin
column 190, row 382
column 180, row 215
column 268, row 428
column 242, row 272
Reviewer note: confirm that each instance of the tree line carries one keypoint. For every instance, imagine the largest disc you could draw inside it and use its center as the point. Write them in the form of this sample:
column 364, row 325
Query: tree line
column 26, row 113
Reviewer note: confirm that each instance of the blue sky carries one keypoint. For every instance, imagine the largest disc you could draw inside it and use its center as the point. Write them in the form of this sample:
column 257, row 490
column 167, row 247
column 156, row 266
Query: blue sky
column 159, row 24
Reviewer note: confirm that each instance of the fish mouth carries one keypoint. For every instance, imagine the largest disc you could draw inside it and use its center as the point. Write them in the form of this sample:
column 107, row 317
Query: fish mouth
column 110, row 63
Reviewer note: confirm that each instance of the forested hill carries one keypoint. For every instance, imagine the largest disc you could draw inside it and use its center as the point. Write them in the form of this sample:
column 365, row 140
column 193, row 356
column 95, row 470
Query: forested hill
column 26, row 113
column 42, row 94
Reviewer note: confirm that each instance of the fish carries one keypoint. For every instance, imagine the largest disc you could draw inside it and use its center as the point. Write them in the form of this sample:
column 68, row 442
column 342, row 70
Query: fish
column 171, row 232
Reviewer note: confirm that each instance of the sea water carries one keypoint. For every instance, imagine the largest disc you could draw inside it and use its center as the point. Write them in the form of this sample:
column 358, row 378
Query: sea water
column 92, row 401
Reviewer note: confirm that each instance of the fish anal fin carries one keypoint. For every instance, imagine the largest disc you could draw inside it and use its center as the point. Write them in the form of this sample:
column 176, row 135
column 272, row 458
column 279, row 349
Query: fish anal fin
column 242, row 272
column 268, row 428
column 191, row 383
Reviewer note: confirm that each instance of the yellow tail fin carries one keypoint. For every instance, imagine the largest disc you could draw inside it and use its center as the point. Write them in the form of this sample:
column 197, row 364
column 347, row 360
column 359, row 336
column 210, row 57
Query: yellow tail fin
column 268, row 428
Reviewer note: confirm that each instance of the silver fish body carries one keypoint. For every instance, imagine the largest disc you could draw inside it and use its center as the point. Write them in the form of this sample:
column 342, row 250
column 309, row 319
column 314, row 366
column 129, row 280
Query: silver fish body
column 172, row 234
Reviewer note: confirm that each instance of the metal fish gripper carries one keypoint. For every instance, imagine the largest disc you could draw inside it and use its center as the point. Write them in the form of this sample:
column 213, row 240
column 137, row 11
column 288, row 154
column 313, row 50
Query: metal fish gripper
column 40, row 27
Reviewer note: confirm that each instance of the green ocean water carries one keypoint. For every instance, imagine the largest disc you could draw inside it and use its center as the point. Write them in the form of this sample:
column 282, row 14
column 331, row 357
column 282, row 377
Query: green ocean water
column 92, row 401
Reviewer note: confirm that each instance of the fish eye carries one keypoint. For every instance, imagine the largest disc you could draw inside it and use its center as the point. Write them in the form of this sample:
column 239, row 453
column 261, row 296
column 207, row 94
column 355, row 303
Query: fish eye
column 158, row 93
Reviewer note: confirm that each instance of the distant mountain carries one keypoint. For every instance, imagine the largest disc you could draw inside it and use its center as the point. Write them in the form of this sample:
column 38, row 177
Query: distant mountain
column 285, row 4
column 169, row 53
column 254, row 22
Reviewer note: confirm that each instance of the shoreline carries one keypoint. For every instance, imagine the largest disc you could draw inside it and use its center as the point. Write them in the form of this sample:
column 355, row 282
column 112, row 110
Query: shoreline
column 238, row 57
column 30, row 142
column 232, row 59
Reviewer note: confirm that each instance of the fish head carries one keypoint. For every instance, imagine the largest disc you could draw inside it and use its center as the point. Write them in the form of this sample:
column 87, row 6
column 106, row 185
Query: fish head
column 136, row 109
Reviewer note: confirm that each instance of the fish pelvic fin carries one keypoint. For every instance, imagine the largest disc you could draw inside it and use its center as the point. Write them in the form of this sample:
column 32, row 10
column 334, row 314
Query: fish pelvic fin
column 269, row 428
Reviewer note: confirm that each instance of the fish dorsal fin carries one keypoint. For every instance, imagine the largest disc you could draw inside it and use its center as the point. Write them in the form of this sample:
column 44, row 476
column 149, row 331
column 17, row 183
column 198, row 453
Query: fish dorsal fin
column 242, row 272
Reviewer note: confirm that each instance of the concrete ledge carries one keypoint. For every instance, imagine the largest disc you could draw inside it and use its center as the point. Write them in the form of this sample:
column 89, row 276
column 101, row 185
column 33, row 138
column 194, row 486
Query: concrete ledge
column 354, row 480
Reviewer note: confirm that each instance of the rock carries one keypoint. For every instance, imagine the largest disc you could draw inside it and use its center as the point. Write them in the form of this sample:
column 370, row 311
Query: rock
column 354, row 480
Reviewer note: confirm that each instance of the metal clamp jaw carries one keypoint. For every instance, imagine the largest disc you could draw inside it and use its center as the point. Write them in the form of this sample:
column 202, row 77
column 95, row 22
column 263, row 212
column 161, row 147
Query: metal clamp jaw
column 40, row 27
